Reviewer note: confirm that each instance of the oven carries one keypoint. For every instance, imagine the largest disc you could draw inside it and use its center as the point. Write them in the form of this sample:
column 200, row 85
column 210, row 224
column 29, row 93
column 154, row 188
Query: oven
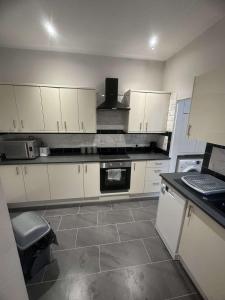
column 115, row 176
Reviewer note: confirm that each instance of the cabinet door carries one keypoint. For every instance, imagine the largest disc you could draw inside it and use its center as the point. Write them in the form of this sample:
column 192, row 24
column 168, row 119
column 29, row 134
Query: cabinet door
column 8, row 113
column 156, row 112
column 12, row 183
column 137, row 177
column 202, row 249
column 69, row 108
column 66, row 181
column 87, row 110
column 91, row 180
column 51, row 109
column 137, row 112
column 28, row 101
column 36, row 182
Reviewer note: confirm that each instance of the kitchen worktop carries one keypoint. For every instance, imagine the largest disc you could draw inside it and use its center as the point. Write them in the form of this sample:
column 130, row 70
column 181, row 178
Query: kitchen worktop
column 202, row 201
column 78, row 158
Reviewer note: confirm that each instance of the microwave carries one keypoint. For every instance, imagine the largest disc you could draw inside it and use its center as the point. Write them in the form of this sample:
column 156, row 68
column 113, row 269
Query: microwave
column 21, row 149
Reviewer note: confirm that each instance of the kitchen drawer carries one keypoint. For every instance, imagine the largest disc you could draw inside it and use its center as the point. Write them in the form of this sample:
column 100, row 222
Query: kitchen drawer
column 152, row 174
column 158, row 164
column 152, row 186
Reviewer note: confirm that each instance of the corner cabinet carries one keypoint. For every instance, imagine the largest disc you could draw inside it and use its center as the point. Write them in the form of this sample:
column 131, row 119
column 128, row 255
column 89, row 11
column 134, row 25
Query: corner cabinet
column 148, row 111
column 202, row 249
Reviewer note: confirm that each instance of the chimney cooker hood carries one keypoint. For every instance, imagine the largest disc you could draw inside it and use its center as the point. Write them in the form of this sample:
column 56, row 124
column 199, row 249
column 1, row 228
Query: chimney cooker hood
column 111, row 96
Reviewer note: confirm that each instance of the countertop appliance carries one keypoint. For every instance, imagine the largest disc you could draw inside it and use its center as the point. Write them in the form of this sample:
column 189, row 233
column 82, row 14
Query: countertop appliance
column 115, row 176
column 204, row 183
column 170, row 217
column 21, row 149
column 189, row 164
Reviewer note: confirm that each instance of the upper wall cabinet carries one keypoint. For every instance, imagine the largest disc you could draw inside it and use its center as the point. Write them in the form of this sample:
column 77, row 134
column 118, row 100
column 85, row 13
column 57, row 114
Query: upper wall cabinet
column 148, row 111
column 8, row 112
column 87, row 110
column 28, row 101
column 51, row 109
column 206, row 121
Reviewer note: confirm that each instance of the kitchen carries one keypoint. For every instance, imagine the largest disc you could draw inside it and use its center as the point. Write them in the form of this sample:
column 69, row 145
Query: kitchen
column 95, row 133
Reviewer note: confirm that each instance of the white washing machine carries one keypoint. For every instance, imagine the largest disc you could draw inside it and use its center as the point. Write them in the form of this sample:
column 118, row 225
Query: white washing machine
column 189, row 165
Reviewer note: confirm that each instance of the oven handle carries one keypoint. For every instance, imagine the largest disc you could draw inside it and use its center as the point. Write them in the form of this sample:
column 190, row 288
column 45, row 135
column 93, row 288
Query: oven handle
column 122, row 170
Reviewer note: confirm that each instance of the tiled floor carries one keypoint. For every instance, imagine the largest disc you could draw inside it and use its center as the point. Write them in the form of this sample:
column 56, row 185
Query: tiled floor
column 110, row 252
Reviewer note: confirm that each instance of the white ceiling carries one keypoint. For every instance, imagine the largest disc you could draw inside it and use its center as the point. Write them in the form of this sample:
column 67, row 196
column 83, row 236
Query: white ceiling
column 108, row 27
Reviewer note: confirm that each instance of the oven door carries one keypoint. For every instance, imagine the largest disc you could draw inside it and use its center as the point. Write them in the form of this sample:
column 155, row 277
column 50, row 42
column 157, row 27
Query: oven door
column 115, row 178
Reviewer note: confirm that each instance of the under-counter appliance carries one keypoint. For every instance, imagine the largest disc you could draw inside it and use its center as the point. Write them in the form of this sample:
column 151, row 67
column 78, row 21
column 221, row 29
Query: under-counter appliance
column 115, row 176
column 189, row 164
column 21, row 149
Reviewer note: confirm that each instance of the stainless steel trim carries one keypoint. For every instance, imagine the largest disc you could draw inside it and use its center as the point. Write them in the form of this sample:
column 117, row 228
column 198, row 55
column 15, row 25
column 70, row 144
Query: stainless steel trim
column 115, row 164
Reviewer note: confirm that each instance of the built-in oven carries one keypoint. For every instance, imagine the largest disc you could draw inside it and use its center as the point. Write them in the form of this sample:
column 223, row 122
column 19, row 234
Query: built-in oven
column 115, row 176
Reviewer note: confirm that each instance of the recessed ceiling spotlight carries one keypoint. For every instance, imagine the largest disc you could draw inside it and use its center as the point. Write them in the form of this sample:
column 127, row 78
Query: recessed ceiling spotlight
column 153, row 42
column 50, row 28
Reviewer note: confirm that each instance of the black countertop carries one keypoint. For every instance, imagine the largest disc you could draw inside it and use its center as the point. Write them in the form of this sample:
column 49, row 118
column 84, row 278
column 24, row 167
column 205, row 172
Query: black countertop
column 78, row 158
column 202, row 201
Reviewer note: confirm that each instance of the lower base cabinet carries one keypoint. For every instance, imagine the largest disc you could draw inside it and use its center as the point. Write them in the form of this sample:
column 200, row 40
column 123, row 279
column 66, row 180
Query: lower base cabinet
column 202, row 249
column 137, row 177
column 91, row 180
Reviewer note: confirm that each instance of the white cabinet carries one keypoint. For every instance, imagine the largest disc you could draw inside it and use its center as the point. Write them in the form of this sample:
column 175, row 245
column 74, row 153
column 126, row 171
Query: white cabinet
column 156, row 112
column 169, row 220
column 91, row 180
column 69, row 109
column 66, row 181
column 148, row 111
column 137, row 177
column 87, row 110
column 206, row 119
column 51, row 109
column 36, row 182
column 202, row 249
column 28, row 100
column 8, row 112
column 12, row 183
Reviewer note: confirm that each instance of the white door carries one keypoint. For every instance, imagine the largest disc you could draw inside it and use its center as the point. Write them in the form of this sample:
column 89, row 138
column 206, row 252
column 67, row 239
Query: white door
column 87, row 110
column 169, row 219
column 137, row 177
column 91, row 180
column 137, row 112
column 66, row 181
column 202, row 249
column 156, row 112
column 12, row 183
column 8, row 112
column 28, row 101
column 36, row 182
column 69, row 109
column 51, row 109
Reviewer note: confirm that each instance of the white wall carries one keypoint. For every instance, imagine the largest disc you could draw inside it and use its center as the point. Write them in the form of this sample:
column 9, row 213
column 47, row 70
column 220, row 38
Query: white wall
column 28, row 66
column 205, row 53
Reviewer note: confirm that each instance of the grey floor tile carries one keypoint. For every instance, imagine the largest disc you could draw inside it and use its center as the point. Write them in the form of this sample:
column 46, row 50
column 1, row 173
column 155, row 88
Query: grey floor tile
column 156, row 249
column 97, row 235
column 78, row 220
column 95, row 208
column 114, row 285
column 159, row 281
column 144, row 213
column 122, row 255
column 74, row 262
column 114, row 216
column 136, row 230
column 61, row 211
column 50, row 290
column 149, row 202
column 53, row 221
column 126, row 204
column 66, row 239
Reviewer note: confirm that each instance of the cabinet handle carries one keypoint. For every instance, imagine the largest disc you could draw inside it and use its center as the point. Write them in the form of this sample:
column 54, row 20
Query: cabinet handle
column 22, row 123
column 78, row 168
column 189, row 211
column 140, row 126
column 134, row 166
column 25, row 170
column 14, row 124
column 65, row 125
column 146, row 126
column 57, row 125
column 17, row 171
column 156, row 183
column 158, row 164
column 189, row 130
column 82, row 125
column 86, row 168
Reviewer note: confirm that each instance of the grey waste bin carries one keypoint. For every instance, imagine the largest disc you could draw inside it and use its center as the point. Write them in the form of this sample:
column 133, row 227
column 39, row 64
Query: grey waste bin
column 33, row 236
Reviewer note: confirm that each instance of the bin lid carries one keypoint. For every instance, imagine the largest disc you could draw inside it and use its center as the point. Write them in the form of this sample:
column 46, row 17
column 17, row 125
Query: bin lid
column 29, row 228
